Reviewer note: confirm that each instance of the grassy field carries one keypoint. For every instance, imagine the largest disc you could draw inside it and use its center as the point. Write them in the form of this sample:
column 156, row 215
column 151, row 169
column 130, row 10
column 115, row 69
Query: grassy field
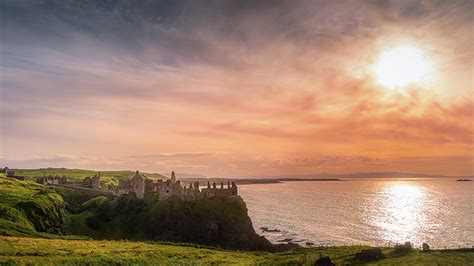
column 17, row 250
column 110, row 178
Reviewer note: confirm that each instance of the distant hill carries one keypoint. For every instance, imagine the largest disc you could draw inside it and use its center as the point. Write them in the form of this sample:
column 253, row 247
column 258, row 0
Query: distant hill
column 185, row 176
column 241, row 179
column 371, row 175
column 309, row 177
column 110, row 178
column 349, row 175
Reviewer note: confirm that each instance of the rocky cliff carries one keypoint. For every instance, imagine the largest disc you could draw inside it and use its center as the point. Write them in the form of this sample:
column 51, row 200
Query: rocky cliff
column 217, row 221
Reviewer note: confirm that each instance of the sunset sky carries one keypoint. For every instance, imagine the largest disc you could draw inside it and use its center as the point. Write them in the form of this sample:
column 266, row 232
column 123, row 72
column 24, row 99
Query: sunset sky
column 237, row 88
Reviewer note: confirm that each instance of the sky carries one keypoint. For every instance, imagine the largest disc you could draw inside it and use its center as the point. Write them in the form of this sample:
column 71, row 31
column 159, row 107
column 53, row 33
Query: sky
column 235, row 88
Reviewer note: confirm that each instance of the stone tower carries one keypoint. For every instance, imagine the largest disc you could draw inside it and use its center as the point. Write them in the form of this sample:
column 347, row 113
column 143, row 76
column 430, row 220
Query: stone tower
column 95, row 181
column 137, row 185
column 173, row 177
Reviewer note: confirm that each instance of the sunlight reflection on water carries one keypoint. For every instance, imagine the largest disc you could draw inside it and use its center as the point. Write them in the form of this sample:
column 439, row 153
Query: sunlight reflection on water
column 400, row 211
column 369, row 211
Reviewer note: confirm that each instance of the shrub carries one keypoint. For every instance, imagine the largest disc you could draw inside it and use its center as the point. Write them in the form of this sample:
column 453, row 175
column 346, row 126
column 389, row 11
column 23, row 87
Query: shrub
column 16, row 216
column 95, row 202
column 369, row 254
column 324, row 261
column 93, row 222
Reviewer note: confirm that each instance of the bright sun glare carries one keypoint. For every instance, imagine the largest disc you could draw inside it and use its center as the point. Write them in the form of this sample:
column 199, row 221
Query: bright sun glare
column 401, row 66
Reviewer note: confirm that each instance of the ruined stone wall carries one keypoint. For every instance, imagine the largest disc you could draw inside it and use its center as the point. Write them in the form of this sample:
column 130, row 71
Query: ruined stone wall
column 95, row 182
column 124, row 187
column 137, row 185
column 215, row 191
column 168, row 189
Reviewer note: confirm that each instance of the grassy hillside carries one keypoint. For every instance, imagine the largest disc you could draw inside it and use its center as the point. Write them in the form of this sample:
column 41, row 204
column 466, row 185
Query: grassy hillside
column 16, row 250
column 28, row 208
column 110, row 178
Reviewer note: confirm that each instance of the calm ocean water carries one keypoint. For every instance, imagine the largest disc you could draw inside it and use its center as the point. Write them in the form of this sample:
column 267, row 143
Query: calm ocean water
column 365, row 211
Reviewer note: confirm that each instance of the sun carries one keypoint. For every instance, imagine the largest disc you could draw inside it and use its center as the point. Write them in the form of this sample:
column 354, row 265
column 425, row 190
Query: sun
column 402, row 66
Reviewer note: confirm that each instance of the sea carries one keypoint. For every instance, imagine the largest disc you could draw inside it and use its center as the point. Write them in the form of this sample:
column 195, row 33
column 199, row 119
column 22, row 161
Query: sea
column 375, row 211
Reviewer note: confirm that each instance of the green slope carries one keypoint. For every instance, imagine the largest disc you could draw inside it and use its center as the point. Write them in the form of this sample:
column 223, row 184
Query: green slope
column 29, row 209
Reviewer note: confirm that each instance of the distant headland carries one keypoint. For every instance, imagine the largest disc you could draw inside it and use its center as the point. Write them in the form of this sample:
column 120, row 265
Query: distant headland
column 252, row 181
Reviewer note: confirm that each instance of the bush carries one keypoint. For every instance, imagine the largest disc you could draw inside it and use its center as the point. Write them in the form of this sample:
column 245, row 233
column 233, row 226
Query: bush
column 324, row 261
column 14, row 215
column 369, row 254
column 95, row 202
column 93, row 222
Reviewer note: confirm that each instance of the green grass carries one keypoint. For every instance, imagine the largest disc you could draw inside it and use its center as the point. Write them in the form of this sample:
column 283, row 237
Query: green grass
column 29, row 209
column 110, row 178
column 11, row 193
column 59, row 252
column 436, row 257
column 17, row 250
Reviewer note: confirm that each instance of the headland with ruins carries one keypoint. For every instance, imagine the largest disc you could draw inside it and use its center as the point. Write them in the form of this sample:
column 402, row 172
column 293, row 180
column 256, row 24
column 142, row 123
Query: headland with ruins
column 138, row 184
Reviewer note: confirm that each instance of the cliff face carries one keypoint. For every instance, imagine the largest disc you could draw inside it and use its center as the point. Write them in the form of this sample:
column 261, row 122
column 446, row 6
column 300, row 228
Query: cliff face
column 217, row 221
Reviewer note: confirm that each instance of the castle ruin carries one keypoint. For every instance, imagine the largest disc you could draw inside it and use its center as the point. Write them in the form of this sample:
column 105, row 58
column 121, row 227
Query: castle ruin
column 92, row 181
column 164, row 189
column 51, row 180
column 139, row 184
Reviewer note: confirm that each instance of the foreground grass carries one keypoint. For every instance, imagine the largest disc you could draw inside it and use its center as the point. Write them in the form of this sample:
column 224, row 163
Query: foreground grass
column 42, row 251
column 17, row 250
